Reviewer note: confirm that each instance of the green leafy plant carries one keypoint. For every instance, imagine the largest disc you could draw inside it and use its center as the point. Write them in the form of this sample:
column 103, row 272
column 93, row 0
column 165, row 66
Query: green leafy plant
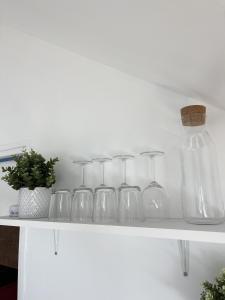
column 215, row 290
column 31, row 171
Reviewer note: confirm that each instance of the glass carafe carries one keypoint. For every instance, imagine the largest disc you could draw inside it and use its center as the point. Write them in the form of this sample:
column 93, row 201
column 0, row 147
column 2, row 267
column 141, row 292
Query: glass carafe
column 201, row 191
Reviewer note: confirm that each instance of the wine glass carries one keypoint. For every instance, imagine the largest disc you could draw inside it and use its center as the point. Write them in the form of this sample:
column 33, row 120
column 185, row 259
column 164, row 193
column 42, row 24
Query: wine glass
column 155, row 202
column 130, row 203
column 60, row 206
column 82, row 202
column 105, row 201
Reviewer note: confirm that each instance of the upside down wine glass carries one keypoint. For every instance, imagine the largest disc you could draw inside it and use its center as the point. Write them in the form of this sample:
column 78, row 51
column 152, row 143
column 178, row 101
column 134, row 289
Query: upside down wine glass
column 60, row 206
column 155, row 202
column 105, row 202
column 82, row 202
column 130, row 203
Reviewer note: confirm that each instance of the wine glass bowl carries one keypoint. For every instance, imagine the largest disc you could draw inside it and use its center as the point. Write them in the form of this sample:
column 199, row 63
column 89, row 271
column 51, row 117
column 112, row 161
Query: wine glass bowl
column 60, row 206
column 129, row 205
column 82, row 205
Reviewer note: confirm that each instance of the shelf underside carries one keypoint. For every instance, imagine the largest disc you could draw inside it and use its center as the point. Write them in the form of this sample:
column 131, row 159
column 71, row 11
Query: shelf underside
column 168, row 229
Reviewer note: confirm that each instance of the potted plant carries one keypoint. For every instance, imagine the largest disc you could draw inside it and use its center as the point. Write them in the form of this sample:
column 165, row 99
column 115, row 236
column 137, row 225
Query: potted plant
column 33, row 176
column 215, row 290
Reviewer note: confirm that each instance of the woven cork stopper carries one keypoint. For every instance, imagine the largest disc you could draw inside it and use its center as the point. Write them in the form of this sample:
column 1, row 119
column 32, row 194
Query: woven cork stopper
column 193, row 115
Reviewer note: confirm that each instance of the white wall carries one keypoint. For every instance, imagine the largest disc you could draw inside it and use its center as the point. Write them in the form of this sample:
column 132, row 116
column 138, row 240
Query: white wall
column 69, row 106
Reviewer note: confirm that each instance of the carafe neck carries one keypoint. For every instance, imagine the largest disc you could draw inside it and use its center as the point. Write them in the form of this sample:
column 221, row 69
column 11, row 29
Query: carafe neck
column 192, row 130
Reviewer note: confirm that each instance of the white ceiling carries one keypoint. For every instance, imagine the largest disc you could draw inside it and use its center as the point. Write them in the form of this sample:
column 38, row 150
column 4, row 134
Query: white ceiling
column 176, row 43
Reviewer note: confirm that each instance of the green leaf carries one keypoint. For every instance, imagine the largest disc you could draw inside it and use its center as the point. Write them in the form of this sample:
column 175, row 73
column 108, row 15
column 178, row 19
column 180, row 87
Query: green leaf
column 31, row 171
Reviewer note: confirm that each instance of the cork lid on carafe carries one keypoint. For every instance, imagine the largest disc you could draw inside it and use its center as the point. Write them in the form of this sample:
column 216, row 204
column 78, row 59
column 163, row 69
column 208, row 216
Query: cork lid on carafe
column 193, row 115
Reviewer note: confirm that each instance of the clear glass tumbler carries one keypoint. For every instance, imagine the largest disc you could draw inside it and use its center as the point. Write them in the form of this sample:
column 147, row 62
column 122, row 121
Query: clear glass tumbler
column 105, row 203
column 60, row 206
column 130, row 202
column 82, row 202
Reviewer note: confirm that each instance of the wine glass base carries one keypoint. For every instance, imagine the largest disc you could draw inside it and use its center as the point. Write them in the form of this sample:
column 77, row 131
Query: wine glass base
column 151, row 220
column 206, row 221
column 129, row 188
column 82, row 220
column 131, row 222
column 80, row 189
column 104, row 188
column 105, row 222
column 63, row 220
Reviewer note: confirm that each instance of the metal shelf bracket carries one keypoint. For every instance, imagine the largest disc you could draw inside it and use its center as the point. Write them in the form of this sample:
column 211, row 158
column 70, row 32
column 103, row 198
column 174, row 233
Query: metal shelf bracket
column 56, row 241
column 184, row 250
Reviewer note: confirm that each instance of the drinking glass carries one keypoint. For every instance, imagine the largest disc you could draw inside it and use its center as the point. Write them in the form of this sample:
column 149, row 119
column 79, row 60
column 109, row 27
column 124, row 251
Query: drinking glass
column 155, row 201
column 130, row 203
column 82, row 202
column 60, row 206
column 105, row 207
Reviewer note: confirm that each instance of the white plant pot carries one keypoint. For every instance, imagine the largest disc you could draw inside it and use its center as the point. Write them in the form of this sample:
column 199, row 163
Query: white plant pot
column 34, row 203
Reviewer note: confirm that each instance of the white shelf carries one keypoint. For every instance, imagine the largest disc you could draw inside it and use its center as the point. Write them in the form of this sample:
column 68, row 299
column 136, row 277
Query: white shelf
column 175, row 229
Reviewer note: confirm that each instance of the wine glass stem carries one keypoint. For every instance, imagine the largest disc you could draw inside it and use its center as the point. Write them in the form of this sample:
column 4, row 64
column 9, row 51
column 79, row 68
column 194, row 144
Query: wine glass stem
column 152, row 168
column 82, row 175
column 102, row 166
column 124, row 167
